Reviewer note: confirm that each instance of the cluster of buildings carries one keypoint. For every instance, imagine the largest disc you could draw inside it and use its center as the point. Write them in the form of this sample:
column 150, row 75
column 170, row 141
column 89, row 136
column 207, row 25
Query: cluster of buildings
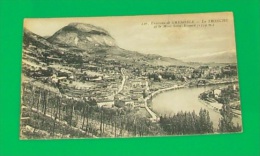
column 184, row 73
column 223, row 95
column 105, row 76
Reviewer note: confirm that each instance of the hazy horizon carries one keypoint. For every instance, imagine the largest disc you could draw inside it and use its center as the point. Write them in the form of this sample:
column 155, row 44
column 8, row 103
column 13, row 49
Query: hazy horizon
column 192, row 44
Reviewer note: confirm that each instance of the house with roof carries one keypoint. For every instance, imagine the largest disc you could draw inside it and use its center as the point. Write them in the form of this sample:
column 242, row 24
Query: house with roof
column 137, row 91
column 105, row 102
column 124, row 103
column 217, row 92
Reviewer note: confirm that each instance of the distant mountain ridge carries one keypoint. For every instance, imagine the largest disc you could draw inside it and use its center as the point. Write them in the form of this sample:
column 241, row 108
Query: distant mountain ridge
column 93, row 42
column 34, row 39
column 217, row 57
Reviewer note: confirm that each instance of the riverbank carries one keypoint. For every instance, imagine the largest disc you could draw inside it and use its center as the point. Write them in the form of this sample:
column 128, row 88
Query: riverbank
column 164, row 90
column 212, row 99
column 155, row 117
column 214, row 107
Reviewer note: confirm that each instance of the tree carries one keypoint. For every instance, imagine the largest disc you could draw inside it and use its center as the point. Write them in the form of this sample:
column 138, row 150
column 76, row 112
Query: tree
column 44, row 104
column 225, row 123
column 206, row 126
column 187, row 123
column 56, row 105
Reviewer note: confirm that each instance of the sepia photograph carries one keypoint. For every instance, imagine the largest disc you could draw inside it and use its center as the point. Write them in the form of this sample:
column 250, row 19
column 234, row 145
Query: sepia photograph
column 129, row 76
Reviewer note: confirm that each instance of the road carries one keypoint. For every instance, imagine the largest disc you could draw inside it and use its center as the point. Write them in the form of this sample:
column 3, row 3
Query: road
column 154, row 117
column 123, row 81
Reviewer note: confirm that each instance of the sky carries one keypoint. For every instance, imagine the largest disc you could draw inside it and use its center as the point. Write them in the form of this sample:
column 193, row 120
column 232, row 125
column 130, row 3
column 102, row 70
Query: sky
column 142, row 33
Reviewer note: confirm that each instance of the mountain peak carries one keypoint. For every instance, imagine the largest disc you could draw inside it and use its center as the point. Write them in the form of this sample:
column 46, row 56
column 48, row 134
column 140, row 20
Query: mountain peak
column 83, row 36
column 84, row 27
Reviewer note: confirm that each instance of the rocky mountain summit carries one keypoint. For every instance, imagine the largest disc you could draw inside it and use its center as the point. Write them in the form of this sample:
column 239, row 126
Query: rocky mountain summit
column 83, row 36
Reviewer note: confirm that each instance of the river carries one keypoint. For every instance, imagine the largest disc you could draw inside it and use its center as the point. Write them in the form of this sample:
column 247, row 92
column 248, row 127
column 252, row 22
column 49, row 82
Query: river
column 186, row 99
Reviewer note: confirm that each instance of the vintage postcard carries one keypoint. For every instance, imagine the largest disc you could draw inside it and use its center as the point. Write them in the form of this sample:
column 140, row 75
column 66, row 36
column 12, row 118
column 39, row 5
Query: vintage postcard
column 129, row 76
